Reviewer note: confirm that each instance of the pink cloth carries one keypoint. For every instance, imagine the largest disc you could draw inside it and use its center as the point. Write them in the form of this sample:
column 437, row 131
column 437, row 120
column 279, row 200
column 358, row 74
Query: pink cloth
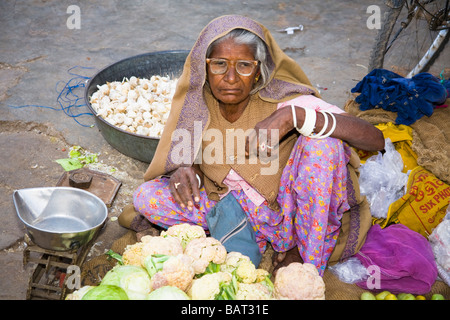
column 235, row 182
column 310, row 101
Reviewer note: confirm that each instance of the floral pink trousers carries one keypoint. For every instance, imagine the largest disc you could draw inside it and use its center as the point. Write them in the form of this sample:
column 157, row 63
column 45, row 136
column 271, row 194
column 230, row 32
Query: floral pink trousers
column 312, row 198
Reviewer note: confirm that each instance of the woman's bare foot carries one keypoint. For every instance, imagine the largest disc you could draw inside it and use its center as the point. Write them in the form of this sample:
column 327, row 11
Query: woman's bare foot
column 282, row 259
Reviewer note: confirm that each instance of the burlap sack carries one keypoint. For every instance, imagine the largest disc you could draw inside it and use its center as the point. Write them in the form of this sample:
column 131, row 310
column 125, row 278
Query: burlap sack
column 93, row 270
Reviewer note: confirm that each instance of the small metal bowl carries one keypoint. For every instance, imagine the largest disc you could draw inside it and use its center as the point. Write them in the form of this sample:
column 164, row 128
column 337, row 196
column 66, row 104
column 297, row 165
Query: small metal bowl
column 60, row 218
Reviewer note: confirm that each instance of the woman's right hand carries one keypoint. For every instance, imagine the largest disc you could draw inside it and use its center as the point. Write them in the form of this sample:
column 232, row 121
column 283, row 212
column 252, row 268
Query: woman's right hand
column 185, row 186
column 269, row 132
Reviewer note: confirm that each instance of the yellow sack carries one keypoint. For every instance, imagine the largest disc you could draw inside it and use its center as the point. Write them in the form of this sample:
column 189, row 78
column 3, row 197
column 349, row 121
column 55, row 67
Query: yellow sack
column 401, row 137
column 423, row 206
column 396, row 132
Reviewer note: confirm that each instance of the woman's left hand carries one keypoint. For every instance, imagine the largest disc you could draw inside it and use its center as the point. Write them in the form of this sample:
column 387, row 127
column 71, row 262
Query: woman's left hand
column 185, row 187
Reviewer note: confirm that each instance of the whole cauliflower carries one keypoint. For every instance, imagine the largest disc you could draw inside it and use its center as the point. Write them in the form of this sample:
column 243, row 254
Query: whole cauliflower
column 252, row 291
column 203, row 251
column 185, row 232
column 208, row 286
column 299, row 281
column 242, row 265
column 177, row 272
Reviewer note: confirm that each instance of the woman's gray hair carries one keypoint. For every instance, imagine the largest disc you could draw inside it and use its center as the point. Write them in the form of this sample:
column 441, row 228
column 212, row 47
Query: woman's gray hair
column 242, row 36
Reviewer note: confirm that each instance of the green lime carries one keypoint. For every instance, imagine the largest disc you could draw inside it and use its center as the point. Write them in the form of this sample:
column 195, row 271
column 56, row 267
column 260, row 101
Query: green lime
column 367, row 296
column 400, row 296
column 437, row 296
column 382, row 295
column 406, row 296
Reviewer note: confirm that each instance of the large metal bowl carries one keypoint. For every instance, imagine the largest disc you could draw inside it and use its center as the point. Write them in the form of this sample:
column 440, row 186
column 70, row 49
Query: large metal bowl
column 60, row 218
column 163, row 63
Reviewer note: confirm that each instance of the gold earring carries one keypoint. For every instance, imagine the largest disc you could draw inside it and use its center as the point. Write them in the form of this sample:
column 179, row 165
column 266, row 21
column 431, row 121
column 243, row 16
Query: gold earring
column 256, row 78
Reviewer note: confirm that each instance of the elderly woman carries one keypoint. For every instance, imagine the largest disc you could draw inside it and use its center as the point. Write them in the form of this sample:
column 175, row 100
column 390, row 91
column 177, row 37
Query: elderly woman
column 246, row 122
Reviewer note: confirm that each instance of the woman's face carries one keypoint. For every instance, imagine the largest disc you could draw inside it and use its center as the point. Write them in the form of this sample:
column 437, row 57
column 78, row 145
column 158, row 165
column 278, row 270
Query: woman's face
column 231, row 88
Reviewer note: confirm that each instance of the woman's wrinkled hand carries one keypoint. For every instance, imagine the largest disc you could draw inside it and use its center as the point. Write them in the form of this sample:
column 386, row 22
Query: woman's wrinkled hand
column 268, row 133
column 185, row 186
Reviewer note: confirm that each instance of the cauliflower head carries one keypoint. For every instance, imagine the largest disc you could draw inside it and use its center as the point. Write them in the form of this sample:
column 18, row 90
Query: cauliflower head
column 160, row 245
column 246, row 272
column 177, row 272
column 135, row 254
column 232, row 261
column 243, row 267
column 252, row 291
column 299, row 281
column 205, row 250
column 185, row 232
column 132, row 254
column 262, row 275
column 208, row 286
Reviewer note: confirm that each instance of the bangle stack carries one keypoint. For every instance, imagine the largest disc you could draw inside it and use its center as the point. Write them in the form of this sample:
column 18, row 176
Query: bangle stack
column 310, row 123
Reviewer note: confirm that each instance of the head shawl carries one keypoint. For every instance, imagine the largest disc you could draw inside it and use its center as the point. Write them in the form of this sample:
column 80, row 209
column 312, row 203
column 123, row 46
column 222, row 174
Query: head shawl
column 189, row 110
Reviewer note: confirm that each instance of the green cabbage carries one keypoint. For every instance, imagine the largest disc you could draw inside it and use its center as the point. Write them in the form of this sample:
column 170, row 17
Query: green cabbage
column 78, row 294
column 105, row 292
column 133, row 279
column 168, row 293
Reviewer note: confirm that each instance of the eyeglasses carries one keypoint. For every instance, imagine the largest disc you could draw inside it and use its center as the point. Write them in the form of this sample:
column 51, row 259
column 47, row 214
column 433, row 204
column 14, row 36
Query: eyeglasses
column 243, row 67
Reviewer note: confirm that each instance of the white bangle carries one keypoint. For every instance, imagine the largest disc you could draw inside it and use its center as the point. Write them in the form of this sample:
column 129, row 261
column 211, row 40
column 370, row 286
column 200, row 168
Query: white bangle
column 309, row 123
column 294, row 116
column 333, row 127
column 325, row 125
column 199, row 180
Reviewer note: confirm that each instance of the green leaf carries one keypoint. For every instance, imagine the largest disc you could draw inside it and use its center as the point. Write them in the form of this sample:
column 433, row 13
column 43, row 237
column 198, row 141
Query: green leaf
column 268, row 283
column 70, row 164
column 211, row 268
column 228, row 290
column 78, row 157
column 114, row 255
column 75, row 152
